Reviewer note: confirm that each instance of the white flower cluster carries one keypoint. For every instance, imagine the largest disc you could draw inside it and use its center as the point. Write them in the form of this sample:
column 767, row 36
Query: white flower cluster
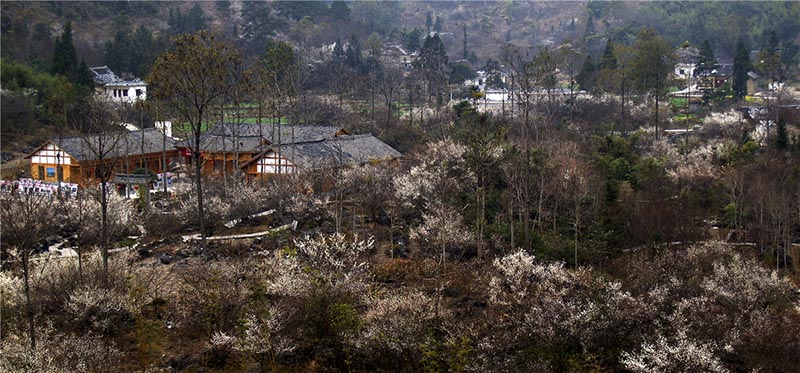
column 397, row 322
column 101, row 308
column 56, row 352
column 728, row 124
column 673, row 354
column 556, row 304
column 441, row 171
column 442, row 225
column 700, row 162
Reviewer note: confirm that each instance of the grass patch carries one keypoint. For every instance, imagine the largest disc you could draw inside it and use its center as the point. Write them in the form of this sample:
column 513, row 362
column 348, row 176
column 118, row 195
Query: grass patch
column 684, row 117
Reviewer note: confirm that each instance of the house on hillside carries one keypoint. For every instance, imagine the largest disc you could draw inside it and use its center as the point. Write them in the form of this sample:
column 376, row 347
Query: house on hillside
column 342, row 151
column 287, row 149
column 77, row 159
column 717, row 77
column 117, row 89
column 686, row 59
column 397, row 55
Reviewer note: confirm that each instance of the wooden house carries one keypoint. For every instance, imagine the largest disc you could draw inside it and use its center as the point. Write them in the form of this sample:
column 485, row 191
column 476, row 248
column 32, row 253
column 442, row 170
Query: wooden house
column 78, row 159
column 340, row 151
column 269, row 149
column 227, row 146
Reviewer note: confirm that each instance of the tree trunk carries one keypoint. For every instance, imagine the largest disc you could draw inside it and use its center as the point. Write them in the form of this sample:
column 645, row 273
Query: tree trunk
column 104, row 223
column 199, row 180
column 28, row 302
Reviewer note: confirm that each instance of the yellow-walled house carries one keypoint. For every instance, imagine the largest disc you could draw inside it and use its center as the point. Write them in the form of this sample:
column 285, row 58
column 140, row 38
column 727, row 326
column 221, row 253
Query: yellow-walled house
column 78, row 159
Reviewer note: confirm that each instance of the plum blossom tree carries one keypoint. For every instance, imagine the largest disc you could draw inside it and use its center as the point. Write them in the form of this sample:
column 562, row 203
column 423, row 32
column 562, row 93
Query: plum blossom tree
column 27, row 218
column 433, row 186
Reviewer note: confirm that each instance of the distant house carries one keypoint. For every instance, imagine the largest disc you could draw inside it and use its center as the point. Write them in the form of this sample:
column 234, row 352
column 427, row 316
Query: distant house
column 117, row 89
column 342, row 151
column 267, row 149
column 76, row 159
column 397, row 55
column 686, row 62
column 717, row 77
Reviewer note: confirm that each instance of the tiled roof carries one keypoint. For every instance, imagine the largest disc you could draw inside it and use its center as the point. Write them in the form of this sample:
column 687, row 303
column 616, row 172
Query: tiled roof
column 104, row 76
column 254, row 137
column 114, row 144
column 340, row 151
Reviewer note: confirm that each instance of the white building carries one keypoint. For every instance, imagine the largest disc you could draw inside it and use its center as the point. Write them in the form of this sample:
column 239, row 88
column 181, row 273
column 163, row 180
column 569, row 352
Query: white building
column 117, row 89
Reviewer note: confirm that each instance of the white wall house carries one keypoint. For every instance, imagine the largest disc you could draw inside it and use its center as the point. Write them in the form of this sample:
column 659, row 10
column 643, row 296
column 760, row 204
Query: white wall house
column 117, row 89
column 684, row 70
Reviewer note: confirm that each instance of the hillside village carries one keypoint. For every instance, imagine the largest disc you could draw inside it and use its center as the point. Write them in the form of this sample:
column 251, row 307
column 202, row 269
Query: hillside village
column 400, row 186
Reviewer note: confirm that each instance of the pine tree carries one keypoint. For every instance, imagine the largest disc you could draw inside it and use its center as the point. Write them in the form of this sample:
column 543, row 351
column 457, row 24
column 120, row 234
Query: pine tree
column 707, row 62
column 353, row 53
column 340, row 11
column 770, row 59
column 195, row 19
column 83, row 76
column 428, row 22
column 586, row 77
column 65, row 61
column 782, row 137
column 608, row 60
column 741, row 66
column 466, row 54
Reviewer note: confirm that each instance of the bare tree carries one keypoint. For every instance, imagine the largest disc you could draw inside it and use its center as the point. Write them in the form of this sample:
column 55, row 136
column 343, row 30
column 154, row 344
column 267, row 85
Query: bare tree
column 105, row 144
column 192, row 79
column 27, row 219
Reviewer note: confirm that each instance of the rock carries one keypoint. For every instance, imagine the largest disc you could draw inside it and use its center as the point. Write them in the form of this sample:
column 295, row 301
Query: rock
column 145, row 253
column 165, row 258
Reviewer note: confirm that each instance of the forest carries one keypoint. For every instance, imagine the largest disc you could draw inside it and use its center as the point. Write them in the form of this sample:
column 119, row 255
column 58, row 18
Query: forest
column 608, row 212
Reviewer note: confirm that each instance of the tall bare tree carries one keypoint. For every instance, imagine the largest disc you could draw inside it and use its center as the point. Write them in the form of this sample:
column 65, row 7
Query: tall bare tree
column 104, row 142
column 192, row 79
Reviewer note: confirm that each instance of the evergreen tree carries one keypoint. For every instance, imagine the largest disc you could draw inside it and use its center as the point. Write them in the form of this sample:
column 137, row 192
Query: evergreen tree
column 428, row 22
column 83, row 77
column 340, row 11
column 741, row 66
column 432, row 63
column 466, row 55
column 118, row 52
column 782, row 137
column 769, row 59
column 411, row 40
column 143, row 52
column 175, row 21
column 589, row 27
column 65, row 61
column 258, row 25
column 195, row 20
column 588, row 74
column 707, row 62
column 437, row 26
column 608, row 60
column 353, row 53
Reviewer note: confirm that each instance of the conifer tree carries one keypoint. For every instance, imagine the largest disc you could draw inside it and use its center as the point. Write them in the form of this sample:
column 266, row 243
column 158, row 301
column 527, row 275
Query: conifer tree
column 741, row 66
column 65, row 62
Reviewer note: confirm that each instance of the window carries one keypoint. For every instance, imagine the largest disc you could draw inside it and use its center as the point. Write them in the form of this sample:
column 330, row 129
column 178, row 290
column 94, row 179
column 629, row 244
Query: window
column 138, row 92
column 41, row 172
column 51, row 172
column 125, row 92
